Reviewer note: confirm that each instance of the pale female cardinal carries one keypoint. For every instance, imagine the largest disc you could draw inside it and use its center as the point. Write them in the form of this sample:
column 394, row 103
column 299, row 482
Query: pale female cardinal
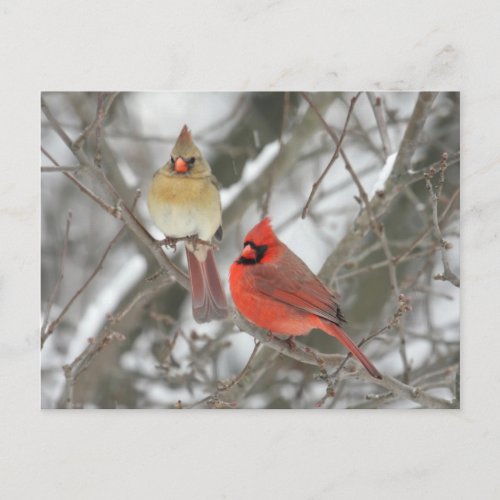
column 184, row 201
column 275, row 290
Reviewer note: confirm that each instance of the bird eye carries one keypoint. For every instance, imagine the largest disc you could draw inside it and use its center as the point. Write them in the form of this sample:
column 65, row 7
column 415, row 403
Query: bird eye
column 190, row 160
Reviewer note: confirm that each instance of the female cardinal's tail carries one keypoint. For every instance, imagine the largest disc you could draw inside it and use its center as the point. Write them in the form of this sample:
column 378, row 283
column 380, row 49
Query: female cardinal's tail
column 209, row 299
column 339, row 334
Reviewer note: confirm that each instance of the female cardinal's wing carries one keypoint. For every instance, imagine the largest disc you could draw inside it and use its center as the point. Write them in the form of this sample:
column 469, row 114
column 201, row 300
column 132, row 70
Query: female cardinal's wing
column 296, row 285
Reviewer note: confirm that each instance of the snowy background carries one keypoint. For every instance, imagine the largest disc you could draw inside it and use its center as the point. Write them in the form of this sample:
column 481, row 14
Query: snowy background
column 243, row 135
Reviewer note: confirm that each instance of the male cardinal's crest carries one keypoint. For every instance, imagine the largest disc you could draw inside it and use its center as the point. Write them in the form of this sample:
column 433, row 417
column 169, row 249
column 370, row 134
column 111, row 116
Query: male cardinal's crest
column 262, row 233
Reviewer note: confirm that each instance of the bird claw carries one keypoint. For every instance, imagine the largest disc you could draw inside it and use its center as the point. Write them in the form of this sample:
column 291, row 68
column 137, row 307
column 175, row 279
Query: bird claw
column 269, row 336
column 169, row 242
column 291, row 343
column 193, row 239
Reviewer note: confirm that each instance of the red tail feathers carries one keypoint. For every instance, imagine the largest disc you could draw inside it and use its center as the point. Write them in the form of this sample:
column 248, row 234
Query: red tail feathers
column 209, row 299
column 337, row 332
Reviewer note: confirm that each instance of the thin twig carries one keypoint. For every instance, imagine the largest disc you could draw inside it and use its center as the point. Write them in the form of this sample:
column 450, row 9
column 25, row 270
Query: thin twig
column 310, row 356
column 393, row 187
column 113, row 211
column 121, row 210
column 324, row 194
column 98, row 129
column 379, row 231
column 384, row 263
column 77, row 150
column 426, row 232
column 139, row 230
column 334, row 379
column 54, row 324
column 73, row 370
column 337, row 149
column 150, row 288
column 224, row 387
column 262, row 362
column 84, row 189
column 435, row 192
column 59, row 169
column 378, row 110
column 57, row 127
column 359, row 133
column 391, row 266
column 57, row 285
column 447, row 370
column 282, row 165
column 104, row 105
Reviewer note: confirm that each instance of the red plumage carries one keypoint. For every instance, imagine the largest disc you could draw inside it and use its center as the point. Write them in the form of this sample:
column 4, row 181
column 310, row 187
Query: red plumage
column 274, row 289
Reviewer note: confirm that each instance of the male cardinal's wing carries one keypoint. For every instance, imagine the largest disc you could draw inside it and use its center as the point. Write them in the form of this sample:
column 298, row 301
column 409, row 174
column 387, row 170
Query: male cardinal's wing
column 297, row 287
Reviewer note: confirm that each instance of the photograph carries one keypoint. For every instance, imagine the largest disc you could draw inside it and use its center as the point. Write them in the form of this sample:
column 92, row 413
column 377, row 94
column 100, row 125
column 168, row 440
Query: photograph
column 250, row 250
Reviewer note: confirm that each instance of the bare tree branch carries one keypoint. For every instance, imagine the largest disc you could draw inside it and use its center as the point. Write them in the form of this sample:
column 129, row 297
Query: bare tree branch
column 108, row 208
column 73, row 370
column 263, row 361
column 353, row 238
column 59, row 169
column 130, row 220
column 313, row 357
column 413, row 130
column 105, row 103
column 57, row 285
column 203, row 350
column 448, row 274
column 376, row 227
column 55, row 323
column 337, row 149
column 278, row 168
column 378, row 110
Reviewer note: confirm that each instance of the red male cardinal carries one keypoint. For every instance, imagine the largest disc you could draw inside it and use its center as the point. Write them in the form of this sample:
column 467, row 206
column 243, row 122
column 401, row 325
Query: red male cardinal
column 184, row 201
column 275, row 290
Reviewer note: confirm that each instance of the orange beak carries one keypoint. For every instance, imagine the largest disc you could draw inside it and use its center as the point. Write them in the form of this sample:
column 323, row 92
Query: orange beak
column 248, row 253
column 181, row 166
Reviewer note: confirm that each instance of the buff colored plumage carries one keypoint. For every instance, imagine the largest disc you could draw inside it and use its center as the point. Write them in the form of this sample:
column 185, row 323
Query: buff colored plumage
column 184, row 201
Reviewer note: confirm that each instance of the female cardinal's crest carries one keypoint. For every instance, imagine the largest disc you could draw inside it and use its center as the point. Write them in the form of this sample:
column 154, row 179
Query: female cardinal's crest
column 184, row 141
column 185, row 134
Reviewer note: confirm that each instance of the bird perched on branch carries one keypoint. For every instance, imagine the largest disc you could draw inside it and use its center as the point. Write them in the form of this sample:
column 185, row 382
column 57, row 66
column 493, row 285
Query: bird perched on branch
column 184, row 203
column 274, row 289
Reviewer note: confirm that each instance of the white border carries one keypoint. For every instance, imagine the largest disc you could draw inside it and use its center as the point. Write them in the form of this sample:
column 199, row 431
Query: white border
column 241, row 45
